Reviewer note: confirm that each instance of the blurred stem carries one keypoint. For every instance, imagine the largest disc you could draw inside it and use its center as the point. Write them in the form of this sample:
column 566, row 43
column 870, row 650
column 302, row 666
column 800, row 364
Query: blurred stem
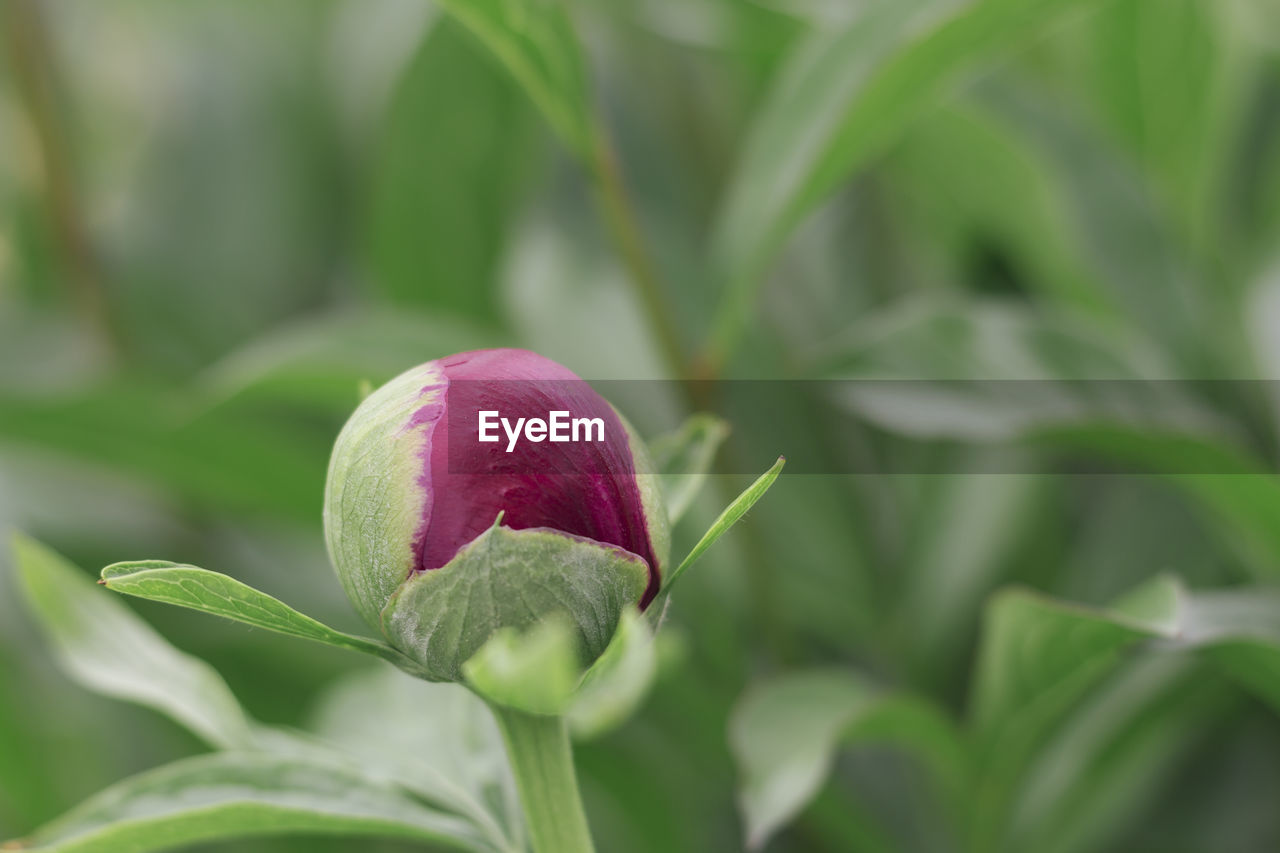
column 542, row 759
column 36, row 81
column 624, row 228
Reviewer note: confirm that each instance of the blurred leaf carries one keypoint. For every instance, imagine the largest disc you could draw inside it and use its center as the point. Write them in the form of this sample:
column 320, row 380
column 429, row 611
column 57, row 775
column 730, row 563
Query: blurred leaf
column 997, row 370
column 983, row 339
column 1239, row 495
column 535, row 41
column 1254, row 181
column 534, row 671
column 231, row 460
column 240, row 795
column 616, row 684
column 103, row 646
column 1239, row 630
column 684, row 457
column 844, row 96
column 785, row 733
column 758, row 31
column 219, row 595
column 320, row 361
column 1114, row 755
column 1000, row 219
column 557, row 280
column 438, row 740
column 514, row 579
column 1121, row 231
column 1040, row 657
column 727, row 519
column 957, row 544
column 1162, row 80
column 454, row 158
column 227, row 213
column 371, row 48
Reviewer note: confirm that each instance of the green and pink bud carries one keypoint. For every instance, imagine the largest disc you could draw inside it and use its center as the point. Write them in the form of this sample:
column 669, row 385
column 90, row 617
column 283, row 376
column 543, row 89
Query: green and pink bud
column 512, row 484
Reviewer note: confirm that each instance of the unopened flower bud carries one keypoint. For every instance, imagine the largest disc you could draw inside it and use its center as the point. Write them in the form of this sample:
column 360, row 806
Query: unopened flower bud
column 430, row 461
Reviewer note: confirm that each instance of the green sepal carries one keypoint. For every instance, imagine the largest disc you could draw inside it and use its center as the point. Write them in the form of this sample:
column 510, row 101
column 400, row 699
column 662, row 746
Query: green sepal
column 535, row 671
column 540, row 671
column 617, row 683
column 732, row 514
column 512, row 579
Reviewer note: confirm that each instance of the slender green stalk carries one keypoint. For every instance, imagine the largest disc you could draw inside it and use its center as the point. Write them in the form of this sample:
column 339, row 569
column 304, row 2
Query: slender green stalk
column 37, row 84
column 542, row 759
column 625, row 230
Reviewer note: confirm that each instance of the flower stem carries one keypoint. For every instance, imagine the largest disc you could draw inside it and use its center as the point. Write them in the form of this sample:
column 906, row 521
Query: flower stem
column 539, row 751
column 38, row 86
column 620, row 218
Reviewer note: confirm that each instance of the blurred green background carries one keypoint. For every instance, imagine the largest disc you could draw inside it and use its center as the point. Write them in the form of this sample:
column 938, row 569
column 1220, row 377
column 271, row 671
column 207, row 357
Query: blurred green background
column 217, row 218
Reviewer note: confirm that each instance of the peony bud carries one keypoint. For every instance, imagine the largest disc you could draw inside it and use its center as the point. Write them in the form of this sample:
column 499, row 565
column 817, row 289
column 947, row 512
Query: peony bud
column 508, row 522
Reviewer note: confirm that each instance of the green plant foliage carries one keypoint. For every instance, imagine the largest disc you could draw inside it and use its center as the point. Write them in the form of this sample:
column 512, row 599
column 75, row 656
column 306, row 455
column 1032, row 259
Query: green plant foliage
column 220, row 595
column 106, row 648
column 534, row 40
column 843, row 96
column 1057, row 687
column 376, row 716
column 1001, row 278
column 785, row 735
column 458, row 148
column 318, row 362
column 265, row 781
column 732, row 514
column 233, row 796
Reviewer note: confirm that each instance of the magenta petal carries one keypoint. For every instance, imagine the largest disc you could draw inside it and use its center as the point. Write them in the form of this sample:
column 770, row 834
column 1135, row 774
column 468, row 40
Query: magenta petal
column 587, row 489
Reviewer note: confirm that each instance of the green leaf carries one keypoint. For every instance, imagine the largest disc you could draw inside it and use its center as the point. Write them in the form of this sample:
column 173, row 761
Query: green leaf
column 846, row 94
column 512, row 579
column 229, row 459
column 1002, row 200
column 1167, row 82
column 731, row 515
column 684, row 457
column 1239, row 631
column 533, row 671
column 995, row 370
column 1121, row 232
column 220, row 595
column 1114, row 755
column 103, row 646
column 319, row 361
column 617, row 683
column 1073, row 707
column 1061, row 396
column 785, row 735
column 1039, row 658
column 438, row 740
column 230, row 796
column 535, row 41
column 960, row 539
column 1236, row 492
column 446, row 194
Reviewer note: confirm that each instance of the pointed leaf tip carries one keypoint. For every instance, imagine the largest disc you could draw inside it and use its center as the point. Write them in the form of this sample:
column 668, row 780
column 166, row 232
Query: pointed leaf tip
column 731, row 516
